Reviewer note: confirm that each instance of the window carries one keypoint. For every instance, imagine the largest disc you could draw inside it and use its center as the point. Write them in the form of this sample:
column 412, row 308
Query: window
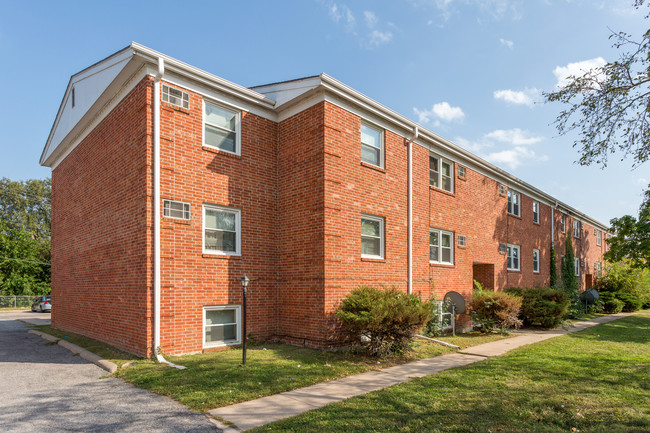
column 535, row 212
column 599, row 237
column 441, row 248
column 502, row 189
column 221, row 230
column 372, row 145
column 372, row 237
column 462, row 240
column 513, row 203
column 461, row 172
column 563, row 223
column 576, row 266
column 513, row 257
column 440, row 173
column 175, row 96
column 221, row 325
column 576, row 229
column 598, row 268
column 176, row 209
column 536, row 261
column 221, row 128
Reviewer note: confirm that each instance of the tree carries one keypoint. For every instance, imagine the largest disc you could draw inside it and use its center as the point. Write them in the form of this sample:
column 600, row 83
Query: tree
column 25, row 206
column 608, row 105
column 569, row 280
column 553, row 273
column 632, row 239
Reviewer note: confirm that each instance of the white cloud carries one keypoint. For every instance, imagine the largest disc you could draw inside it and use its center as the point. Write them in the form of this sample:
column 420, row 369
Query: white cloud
column 642, row 181
column 526, row 97
column 513, row 136
column 494, row 9
column 371, row 18
column 473, row 146
column 507, row 43
column 514, row 157
column 370, row 38
column 442, row 111
column 576, row 69
column 377, row 38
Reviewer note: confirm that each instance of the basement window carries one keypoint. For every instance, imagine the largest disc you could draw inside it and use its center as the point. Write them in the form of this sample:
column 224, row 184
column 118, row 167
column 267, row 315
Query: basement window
column 176, row 97
column 176, row 209
column 221, row 325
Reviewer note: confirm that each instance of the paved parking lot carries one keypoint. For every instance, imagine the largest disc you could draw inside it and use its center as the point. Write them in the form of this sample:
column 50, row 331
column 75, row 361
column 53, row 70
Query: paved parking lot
column 44, row 388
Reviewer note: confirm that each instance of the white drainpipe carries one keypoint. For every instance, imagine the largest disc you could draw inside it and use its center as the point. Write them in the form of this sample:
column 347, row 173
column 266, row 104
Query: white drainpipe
column 156, row 214
column 409, row 151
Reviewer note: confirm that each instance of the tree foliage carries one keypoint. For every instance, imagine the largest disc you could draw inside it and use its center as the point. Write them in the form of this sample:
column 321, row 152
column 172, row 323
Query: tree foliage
column 632, row 237
column 24, row 237
column 569, row 279
column 609, row 105
column 553, row 266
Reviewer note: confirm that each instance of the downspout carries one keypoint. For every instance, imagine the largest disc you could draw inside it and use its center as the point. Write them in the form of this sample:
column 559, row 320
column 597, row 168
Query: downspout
column 409, row 151
column 156, row 214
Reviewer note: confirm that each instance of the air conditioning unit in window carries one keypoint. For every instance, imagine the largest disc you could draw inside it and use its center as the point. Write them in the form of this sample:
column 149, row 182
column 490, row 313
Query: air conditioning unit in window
column 503, row 248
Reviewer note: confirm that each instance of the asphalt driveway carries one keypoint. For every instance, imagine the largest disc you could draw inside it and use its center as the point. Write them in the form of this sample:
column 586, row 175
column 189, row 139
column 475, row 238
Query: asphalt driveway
column 44, row 388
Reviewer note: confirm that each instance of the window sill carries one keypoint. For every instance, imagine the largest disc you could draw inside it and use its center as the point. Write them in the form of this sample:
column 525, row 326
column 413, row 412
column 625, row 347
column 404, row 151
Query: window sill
column 373, row 259
column 536, row 222
column 442, row 191
column 221, row 256
column 514, row 216
column 373, row 167
column 220, row 152
column 461, row 178
column 514, row 270
column 443, row 265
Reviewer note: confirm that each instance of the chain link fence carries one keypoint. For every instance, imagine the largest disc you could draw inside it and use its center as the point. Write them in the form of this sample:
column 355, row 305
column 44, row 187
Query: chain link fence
column 17, row 301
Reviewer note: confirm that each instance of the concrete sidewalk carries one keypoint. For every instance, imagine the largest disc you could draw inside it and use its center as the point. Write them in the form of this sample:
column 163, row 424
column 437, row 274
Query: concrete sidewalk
column 265, row 410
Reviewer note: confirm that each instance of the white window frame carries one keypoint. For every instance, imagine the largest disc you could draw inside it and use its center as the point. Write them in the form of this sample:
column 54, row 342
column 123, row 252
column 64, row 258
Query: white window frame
column 576, row 228
column 576, row 266
column 535, row 212
column 166, row 96
column 599, row 237
column 237, row 309
column 535, row 260
column 563, row 223
column 381, row 143
column 511, row 247
column 238, row 233
column 598, row 269
column 451, row 171
column 511, row 205
column 187, row 210
column 451, row 246
column 382, row 236
column 237, row 130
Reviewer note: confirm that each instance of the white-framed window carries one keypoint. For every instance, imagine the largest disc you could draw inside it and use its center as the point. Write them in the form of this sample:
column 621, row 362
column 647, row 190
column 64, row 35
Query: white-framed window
column 441, row 173
column 462, row 172
column 221, row 230
column 536, row 212
column 513, row 257
column 599, row 269
column 372, row 144
column 576, row 266
column 599, row 237
column 514, row 199
column 462, row 240
column 221, row 128
column 441, row 246
column 176, row 209
column 221, row 325
column 175, row 96
column 372, row 236
column 536, row 261
column 576, row 228
column 563, row 223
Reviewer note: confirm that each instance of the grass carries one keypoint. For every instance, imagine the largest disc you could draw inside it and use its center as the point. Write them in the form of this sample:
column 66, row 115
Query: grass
column 593, row 381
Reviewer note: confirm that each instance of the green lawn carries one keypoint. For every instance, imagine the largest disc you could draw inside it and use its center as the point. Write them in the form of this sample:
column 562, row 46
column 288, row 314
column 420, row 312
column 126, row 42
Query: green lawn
column 594, row 381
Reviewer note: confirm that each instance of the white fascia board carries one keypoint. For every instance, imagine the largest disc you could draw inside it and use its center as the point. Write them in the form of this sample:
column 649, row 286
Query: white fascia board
column 288, row 90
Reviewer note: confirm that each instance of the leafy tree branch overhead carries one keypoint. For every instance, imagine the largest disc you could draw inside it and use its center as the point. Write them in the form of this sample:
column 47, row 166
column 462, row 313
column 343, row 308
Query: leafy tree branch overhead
column 609, row 106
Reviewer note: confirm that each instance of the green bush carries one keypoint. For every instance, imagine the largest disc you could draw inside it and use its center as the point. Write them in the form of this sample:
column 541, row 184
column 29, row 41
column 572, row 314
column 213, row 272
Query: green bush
column 611, row 305
column 495, row 310
column 388, row 319
column 627, row 284
column 542, row 306
column 630, row 301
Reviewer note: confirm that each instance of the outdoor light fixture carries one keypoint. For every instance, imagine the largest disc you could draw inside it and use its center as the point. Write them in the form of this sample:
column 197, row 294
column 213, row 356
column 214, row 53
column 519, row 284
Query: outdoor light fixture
column 244, row 285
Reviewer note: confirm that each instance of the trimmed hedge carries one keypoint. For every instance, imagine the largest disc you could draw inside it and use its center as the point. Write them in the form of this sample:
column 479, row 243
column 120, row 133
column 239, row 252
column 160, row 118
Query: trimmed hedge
column 542, row 306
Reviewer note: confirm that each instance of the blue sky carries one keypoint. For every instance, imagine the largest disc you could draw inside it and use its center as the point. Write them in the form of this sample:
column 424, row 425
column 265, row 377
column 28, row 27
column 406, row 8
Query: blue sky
column 470, row 70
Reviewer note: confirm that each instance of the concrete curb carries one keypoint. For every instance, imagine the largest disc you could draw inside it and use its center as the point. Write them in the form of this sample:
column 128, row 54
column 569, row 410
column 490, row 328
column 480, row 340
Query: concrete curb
column 85, row 354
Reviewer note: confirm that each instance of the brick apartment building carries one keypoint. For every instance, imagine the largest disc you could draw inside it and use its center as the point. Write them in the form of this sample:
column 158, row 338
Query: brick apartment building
column 169, row 184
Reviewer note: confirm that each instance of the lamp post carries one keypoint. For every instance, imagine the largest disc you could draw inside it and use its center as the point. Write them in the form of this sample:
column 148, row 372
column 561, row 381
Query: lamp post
column 244, row 284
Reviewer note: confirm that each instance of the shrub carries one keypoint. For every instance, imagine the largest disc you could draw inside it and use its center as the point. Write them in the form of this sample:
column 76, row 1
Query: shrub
column 627, row 284
column 630, row 301
column 545, row 307
column 388, row 318
column 495, row 310
column 611, row 305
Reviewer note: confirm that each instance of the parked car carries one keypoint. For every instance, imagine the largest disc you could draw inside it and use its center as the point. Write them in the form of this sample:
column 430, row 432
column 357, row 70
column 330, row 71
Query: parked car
column 42, row 304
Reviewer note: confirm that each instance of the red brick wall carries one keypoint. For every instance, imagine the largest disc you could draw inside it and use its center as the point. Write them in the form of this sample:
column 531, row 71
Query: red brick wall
column 99, row 232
